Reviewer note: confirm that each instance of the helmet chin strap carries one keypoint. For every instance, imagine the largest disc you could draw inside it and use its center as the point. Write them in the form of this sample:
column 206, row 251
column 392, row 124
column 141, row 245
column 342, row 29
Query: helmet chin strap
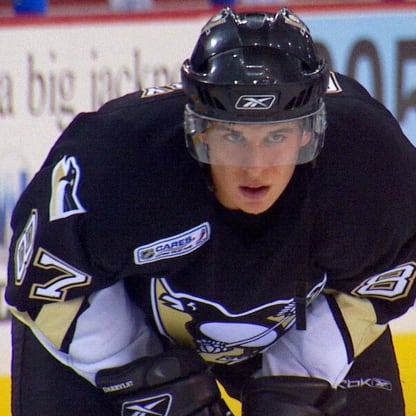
column 207, row 177
column 302, row 283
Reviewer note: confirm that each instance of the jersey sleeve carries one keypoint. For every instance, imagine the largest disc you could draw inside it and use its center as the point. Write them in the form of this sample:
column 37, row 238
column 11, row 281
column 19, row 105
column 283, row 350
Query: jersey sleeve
column 52, row 257
column 66, row 265
column 300, row 353
column 364, row 237
column 365, row 227
column 75, row 224
column 76, row 227
column 111, row 332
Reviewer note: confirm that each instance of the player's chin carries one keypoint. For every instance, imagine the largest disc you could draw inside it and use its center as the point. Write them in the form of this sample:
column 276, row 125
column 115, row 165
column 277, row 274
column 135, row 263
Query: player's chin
column 255, row 207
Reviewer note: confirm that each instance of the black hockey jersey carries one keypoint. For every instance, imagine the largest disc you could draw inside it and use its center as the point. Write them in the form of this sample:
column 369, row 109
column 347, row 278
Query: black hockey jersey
column 119, row 199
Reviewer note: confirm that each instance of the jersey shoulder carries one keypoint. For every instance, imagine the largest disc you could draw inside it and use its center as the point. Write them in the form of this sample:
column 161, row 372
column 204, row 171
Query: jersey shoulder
column 111, row 182
column 164, row 95
column 355, row 116
column 345, row 86
column 364, row 186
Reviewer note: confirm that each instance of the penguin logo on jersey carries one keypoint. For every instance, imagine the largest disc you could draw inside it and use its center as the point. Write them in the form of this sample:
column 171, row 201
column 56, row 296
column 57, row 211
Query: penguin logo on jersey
column 219, row 335
column 65, row 179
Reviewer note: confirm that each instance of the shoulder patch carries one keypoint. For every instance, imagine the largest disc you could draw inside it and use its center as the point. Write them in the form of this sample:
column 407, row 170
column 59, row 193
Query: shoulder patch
column 152, row 91
column 333, row 86
column 65, row 179
column 174, row 246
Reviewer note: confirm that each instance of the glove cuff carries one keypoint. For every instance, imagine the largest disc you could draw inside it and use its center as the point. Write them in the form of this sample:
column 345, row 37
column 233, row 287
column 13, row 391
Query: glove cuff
column 291, row 396
column 175, row 383
column 150, row 371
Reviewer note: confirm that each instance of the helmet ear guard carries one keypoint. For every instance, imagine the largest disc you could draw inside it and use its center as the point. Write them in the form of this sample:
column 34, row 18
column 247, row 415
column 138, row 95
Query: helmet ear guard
column 255, row 68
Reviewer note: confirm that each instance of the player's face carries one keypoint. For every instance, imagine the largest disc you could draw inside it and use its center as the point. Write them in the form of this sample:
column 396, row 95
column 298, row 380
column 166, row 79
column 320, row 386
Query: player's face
column 251, row 165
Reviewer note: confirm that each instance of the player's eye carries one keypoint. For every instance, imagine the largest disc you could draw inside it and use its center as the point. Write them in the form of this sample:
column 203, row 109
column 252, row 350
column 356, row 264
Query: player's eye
column 233, row 137
column 275, row 137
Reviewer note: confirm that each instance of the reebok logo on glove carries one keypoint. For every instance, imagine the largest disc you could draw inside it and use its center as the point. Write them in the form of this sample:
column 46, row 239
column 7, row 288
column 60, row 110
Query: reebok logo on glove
column 154, row 406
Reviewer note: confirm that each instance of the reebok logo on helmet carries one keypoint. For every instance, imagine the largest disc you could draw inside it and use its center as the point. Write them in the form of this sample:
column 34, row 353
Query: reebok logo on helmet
column 255, row 102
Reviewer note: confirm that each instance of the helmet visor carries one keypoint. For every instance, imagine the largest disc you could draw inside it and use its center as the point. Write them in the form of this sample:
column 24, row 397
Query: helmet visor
column 277, row 143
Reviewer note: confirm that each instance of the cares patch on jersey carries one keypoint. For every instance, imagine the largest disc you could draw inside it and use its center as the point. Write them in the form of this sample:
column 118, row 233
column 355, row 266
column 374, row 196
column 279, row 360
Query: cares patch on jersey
column 65, row 180
column 219, row 335
column 174, row 246
column 391, row 285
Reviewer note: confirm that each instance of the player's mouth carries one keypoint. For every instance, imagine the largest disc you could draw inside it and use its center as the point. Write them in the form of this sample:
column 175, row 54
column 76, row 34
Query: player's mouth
column 254, row 192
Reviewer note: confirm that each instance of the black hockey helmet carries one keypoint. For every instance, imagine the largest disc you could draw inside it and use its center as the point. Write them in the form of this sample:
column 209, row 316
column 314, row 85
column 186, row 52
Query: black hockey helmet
column 254, row 68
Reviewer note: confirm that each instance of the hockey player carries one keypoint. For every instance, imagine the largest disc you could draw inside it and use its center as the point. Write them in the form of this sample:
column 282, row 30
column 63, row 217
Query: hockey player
column 139, row 275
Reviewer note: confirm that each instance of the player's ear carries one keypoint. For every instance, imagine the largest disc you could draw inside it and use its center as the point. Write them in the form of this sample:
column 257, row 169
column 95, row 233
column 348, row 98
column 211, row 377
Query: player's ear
column 203, row 138
column 306, row 137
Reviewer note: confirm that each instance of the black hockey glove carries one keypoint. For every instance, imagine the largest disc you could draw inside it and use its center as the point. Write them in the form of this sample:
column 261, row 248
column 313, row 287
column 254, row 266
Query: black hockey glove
column 291, row 396
column 174, row 383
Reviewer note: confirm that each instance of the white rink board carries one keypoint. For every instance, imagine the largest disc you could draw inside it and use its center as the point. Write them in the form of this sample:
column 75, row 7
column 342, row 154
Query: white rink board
column 50, row 72
column 5, row 350
column 59, row 71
